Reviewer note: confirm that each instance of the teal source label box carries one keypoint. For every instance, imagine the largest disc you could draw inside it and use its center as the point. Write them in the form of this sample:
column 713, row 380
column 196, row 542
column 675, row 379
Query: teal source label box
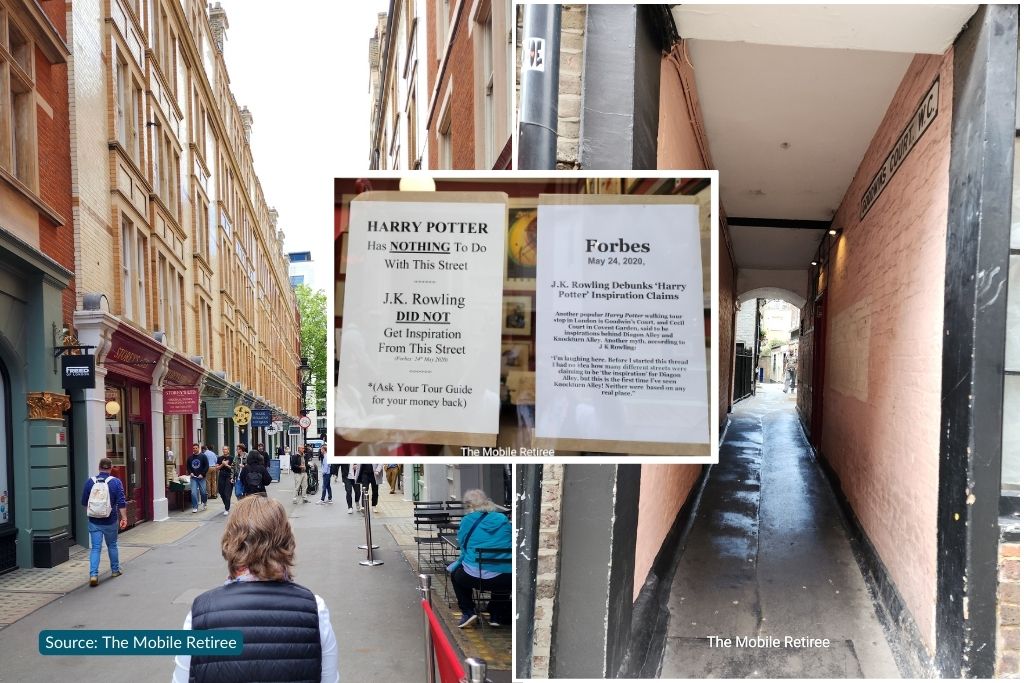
column 137, row 642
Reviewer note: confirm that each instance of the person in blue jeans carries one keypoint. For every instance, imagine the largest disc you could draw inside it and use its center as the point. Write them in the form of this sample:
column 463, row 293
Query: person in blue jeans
column 105, row 528
column 198, row 466
column 327, row 470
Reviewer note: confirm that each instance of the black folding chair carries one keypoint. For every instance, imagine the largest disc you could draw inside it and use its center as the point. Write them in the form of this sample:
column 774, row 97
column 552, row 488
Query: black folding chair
column 490, row 559
column 429, row 549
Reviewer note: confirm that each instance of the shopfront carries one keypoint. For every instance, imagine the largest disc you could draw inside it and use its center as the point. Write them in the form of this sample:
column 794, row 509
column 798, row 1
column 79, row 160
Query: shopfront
column 34, row 515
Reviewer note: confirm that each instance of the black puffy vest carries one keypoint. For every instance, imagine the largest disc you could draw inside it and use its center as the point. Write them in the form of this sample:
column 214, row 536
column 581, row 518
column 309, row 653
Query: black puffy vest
column 280, row 625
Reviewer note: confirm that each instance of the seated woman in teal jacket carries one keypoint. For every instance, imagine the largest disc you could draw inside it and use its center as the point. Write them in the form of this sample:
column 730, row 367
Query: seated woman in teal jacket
column 483, row 527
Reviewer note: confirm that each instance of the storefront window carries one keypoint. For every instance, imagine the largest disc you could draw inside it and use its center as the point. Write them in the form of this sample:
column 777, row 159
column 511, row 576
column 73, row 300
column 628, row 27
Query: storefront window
column 174, row 442
column 115, row 421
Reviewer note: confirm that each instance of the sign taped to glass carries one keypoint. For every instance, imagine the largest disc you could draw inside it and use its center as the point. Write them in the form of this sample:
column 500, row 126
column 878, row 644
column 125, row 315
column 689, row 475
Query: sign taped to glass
column 422, row 331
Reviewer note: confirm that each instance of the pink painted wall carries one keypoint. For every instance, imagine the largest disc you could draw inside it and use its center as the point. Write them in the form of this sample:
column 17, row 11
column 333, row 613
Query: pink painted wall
column 681, row 142
column 663, row 490
column 884, row 343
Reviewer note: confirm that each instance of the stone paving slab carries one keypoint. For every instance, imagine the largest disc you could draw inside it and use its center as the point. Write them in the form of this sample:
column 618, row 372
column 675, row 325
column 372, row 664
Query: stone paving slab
column 15, row 605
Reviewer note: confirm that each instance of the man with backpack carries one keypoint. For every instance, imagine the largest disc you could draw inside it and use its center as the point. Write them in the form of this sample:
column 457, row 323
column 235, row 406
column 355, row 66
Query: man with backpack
column 198, row 466
column 104, row 501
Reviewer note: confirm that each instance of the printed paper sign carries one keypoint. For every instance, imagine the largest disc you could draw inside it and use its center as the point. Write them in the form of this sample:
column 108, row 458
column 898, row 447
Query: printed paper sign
column 420, row 341
column 620, row 324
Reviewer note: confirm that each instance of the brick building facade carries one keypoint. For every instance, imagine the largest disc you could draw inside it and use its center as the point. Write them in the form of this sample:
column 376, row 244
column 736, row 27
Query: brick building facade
column 37, row 288
column 441, row 85
column 182, row 279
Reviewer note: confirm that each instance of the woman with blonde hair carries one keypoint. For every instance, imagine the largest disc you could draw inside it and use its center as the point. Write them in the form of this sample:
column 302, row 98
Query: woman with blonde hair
column 286, row 628
column 483, row 528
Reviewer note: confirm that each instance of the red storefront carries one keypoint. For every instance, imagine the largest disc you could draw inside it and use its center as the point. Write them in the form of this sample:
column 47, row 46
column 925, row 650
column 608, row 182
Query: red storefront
column 128, row 427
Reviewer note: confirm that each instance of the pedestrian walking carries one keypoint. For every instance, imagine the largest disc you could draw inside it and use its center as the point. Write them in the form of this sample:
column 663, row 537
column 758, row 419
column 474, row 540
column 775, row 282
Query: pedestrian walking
column 371, row 476
column 393, row 472
column 286, row 628
column 298, row 465
column 351, row 472
column 104, row 502
column 255, row 476
column 211, row 474
column 236, row 466
column 198, row 466
column 326, row 473
column 483, row 527
column 225, row 478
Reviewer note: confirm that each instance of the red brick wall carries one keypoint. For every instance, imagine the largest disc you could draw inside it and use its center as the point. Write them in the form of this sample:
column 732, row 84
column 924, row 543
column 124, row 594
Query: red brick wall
column 54, row 142
column 883, row 352
column 1008, row 614
column 459, row 72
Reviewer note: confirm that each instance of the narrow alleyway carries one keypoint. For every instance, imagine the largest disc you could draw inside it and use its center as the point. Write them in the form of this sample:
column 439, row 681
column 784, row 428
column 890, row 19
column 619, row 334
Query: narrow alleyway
column 768, row 556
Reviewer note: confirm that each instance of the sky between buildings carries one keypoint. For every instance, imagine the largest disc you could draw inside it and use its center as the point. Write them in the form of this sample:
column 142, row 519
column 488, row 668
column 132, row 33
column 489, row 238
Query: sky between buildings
column 303, row 71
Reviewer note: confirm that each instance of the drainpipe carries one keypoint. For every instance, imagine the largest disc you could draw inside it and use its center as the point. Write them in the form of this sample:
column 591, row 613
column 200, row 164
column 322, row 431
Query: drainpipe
column 527, row 541
column 538, row 116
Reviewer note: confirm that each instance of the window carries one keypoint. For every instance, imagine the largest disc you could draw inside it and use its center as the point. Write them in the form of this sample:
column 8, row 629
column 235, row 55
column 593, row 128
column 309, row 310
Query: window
column 129, row 105
column 18, row 154
column 202, row 228
column 485, row 61
column 167, row 173
column 443, row 24
column 133, row 273
column 492, row 49
column 444, row 139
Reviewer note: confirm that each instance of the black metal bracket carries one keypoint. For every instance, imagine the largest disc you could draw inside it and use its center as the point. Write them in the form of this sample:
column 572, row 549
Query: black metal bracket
column 59, row 351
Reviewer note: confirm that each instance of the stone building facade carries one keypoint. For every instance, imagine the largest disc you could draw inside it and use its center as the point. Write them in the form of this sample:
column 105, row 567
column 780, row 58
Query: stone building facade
column 182, row 278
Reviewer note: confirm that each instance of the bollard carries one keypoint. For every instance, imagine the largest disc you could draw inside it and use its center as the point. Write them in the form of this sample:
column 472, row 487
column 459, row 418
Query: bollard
column 369, row 547
column 476, row 670
column 428, row 641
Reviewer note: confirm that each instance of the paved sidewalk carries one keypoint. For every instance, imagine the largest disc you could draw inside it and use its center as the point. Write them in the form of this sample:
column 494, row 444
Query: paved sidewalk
column 375, row 611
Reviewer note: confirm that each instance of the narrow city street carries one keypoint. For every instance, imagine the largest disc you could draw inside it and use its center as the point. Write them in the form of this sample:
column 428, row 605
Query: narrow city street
column 375, row 612
column 769, row 556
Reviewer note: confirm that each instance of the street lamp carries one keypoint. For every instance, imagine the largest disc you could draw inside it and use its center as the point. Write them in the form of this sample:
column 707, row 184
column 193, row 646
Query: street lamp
column 305, row 377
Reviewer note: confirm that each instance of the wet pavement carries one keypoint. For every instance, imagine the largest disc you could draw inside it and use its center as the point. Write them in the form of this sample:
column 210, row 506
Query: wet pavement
column 768, row 558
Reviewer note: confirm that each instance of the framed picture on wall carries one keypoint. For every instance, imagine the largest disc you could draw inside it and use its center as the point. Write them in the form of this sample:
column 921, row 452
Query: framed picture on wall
column 521, row 245
column 514, row 356
column 516, row 315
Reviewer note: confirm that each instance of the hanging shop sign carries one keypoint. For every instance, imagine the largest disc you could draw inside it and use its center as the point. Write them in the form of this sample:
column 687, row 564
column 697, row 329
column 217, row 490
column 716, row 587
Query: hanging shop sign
column 181, row 400
column 422, row 332
column 621, row 363
column 78, row 372
column 220, row 408
column 925, row 113
column 241, row 415
column 261, row 417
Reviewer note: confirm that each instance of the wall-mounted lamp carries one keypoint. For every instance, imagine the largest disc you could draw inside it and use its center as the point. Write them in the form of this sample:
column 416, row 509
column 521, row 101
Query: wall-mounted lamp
column 814, row 263
column 835, row 231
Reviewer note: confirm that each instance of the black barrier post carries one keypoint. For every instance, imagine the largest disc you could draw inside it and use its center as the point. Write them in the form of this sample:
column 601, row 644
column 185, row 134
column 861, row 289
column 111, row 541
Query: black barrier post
column 428, row 641
column 369, row 547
